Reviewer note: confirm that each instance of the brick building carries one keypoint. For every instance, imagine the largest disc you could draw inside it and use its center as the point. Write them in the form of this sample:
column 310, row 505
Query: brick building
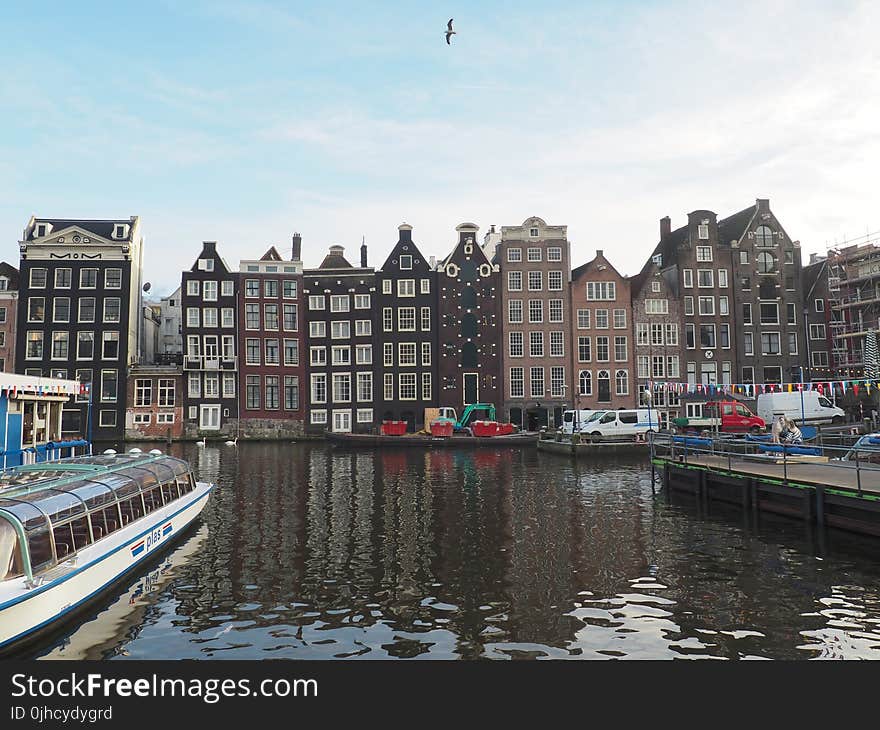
column 154, row 401
column 8, row 314
column 535, row 269
column 601, row 328
column 469, row 325
column 271, row 368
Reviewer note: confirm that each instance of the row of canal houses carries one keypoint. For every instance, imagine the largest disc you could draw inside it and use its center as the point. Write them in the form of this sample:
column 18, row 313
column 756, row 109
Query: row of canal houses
column 271, row 349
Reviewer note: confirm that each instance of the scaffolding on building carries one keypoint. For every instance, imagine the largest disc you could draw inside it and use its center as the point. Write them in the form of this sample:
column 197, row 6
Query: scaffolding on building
column 853, row 272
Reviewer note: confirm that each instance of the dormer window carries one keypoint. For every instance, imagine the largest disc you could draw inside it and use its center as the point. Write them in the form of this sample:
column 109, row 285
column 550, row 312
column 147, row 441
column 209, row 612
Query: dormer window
column 120, row 230
column 533, row 232
column 206, row 264
column 4, row 283
column 43, row 229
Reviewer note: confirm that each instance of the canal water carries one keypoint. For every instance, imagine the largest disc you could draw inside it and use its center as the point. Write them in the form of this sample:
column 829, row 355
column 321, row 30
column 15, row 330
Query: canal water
column 307, row 551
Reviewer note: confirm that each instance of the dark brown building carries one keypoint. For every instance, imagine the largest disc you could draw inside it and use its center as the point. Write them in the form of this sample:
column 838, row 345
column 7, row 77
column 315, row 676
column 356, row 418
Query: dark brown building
column 469, row 325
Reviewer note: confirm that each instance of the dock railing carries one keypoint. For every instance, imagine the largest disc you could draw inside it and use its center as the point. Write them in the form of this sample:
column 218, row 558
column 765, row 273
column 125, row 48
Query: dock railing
column 712, row 450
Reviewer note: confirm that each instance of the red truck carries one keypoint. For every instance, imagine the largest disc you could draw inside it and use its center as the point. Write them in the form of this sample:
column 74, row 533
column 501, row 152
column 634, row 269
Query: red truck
column 727, row 415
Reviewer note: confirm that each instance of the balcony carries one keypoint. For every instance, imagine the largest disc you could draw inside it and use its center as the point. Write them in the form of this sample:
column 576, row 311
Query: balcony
column 210, row 362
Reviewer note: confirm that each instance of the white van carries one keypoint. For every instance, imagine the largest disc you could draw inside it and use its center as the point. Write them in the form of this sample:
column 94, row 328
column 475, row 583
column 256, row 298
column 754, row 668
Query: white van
column 573, row 420
column 816, row 407
column 624, row 424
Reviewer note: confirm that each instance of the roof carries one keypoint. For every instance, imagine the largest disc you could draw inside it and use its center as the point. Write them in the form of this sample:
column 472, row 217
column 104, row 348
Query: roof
column 585, row 267
column 733, row 227
column 335, row 261
column 271, row 255
column 103, row 228
column 11, row 273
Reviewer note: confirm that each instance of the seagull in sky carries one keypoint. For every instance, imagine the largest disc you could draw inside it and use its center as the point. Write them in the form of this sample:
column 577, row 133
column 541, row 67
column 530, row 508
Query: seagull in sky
column 449, row 32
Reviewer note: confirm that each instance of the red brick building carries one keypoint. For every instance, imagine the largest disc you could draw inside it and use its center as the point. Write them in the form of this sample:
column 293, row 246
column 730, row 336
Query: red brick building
column 272, row 371
column 154, row 401
column 601, row 327
column 8, row 314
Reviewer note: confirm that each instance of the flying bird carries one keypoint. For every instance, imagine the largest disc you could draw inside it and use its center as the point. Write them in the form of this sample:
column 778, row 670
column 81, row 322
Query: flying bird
column 449, row 31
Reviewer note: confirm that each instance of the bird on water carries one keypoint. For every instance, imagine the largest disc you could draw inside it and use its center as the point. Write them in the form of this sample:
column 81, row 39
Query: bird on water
column 449, row 32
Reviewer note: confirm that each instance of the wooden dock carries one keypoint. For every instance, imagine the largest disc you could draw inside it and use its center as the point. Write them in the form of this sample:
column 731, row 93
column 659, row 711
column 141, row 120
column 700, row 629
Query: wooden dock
column 828, row 493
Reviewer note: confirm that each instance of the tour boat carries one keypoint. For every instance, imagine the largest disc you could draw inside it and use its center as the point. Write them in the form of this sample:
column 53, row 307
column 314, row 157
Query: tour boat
column 70, row 529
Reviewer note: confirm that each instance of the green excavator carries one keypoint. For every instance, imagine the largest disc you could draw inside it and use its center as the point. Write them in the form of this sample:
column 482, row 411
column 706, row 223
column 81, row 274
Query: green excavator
column 472, row 412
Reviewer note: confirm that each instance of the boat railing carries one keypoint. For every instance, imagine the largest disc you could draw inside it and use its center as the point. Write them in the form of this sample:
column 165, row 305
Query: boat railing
column 717, row 451
column 51, row 451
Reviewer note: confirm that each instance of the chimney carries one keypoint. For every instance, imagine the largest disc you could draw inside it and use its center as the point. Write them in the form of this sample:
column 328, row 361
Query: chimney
column 665, row 227
column 432, row 262
column 296, row 249
column 599, row 253
column 405, row 232
column 763, row 204
column 492, row 228
column 209, row 247
column 364, row 255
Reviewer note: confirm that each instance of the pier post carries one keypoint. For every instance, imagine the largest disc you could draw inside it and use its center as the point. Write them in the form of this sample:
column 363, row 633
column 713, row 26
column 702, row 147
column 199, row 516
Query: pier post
column 820, row 505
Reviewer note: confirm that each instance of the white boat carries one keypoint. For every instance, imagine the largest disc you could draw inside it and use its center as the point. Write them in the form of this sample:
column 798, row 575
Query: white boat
column 70, row 529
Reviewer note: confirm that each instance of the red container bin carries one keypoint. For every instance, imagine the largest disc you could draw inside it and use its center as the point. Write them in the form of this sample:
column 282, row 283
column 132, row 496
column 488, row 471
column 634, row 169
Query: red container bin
column 441, row 428
column 505, row 428
column 393, row 428
column 484, row 428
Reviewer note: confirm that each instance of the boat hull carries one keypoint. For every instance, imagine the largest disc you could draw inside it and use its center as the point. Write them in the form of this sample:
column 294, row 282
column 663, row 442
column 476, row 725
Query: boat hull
column 69, row 587
column 381, row 440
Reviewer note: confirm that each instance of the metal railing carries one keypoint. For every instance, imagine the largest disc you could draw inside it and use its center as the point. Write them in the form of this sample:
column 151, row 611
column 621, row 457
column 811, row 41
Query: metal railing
column 742, row 450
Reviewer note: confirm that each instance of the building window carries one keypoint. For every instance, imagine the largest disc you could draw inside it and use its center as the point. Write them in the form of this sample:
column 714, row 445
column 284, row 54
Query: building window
column 656, row 333
column 656, row 306
column 387, row 319
column 514, row 255
column 556, row 310
column 36, row 309
column 270, row 316
column 38, row 278
column 361, row 301
column 690, row 336
column 317, row 355
column 819, row 305
column 707, row 336
column 601, row 319
column 165, row 418
column 583, row 319
column 272, row 355
column 85, row 345
column 340, row 303
column 533, row 254
column 192, row 288
column 142, row 419
column 554, row 253
column 228, row 317
column 621, row 380
column 113, row 279
column 619, row 319
column 209, row 291
column 426, row 354
column 426, row 386
column 272, row 392
column 817, row 331
column 88, row 278
column 252, row 351
column 722, row 278
column 704, row 253
column 687, row 278
column 672, row 334
column 340, row 330
column 60, row 345
column 319, row 388
column 317, row 302
column 820, row 359
column 166, row 393
column 426, row 319
column 406, row 354
column 388, row 354
column 515, row 344
column 557, row 382
column 363, row 354
column 143, row 392
column 536, row 279
column 705, row 278
column 706, row 305
column 643, row 366
column 319, row 417
column 107, row 419
column 601, row 291
column 386, row 286
column 770, row 343
column 642, row 334
column 316, row 329
column 602, row 349
column 724, row 331
column 533, row 232
column 363, row 328
column 554, row 280
column 251, row 288
column 388, row 387
column 748, row 343
column 536, row 344
column 425, row 286
column 291, row 352
column 764, row 237
column 341, row 355
column 515, row 311
column 769, row 313
column 406, row 287
column 536, row 311
column 603, row 383
column 270, row 289
column 620, row 349
column 655, row 286
column 584, row 349
column 112, row 309
column 408, row 386
column 406, row 319
column 585, row 383
column 791, row 313
column 536, row 382
column 514, row 281
column 108, row 386
column 773, row 374
column 209, row 317
column 406, row 262
column 63, row 278
column 291, row 392
column 110, row 346
column 765, row 262
column 557, row 346
column 703, row 232
column 517, row 383
column 252, row 392
column 792, row 343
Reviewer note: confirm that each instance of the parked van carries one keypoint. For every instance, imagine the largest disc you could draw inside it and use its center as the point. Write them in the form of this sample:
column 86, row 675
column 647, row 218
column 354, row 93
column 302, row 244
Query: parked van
column 816, row 407
column 726, row 416
column 624, row 424
column 573, row 420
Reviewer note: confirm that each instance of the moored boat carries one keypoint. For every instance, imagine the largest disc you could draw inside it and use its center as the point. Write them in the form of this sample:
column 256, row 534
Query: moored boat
column 70, row 529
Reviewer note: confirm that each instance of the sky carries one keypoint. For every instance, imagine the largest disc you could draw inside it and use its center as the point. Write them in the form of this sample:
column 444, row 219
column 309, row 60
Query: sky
column 243, row 122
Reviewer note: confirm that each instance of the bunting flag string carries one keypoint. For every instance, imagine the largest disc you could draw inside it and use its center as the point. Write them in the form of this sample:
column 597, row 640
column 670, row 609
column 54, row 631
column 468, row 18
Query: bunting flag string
column 751, row 390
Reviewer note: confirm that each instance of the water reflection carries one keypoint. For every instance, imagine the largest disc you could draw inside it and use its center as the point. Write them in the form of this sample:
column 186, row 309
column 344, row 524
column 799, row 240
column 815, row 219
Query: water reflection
column 309, row 551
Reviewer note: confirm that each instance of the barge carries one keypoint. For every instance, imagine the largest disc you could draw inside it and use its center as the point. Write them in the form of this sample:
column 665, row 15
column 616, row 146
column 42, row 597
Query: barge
column 373, row 440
